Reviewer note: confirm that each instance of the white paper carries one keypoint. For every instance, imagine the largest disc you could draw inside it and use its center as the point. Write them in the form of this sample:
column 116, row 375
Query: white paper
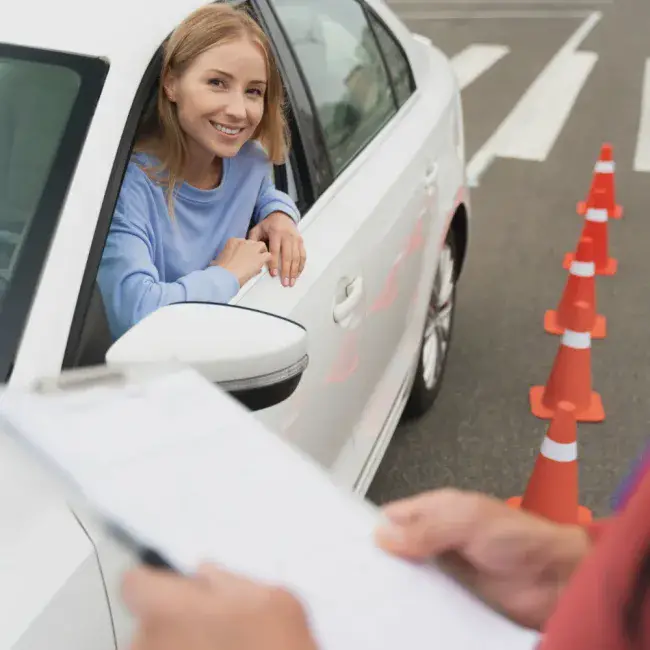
column 185, row 469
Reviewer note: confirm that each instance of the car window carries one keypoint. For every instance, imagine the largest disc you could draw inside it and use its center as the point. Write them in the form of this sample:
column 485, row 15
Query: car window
column 344, row 70
column 40, row 124
column 29, row 139
column 396, row 61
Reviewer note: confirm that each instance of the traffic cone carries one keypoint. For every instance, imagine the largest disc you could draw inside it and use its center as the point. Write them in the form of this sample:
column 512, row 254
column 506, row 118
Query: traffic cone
column 596, row 228
column 580, row 286
column 603, row 179
column 570, row 377
column 552, row 490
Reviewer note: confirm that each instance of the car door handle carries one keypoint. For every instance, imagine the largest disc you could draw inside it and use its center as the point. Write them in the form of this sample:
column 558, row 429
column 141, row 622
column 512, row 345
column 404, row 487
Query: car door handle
column 354, row 294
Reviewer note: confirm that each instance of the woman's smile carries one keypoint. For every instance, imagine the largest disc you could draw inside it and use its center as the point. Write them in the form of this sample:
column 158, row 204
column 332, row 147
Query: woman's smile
column 226, row 130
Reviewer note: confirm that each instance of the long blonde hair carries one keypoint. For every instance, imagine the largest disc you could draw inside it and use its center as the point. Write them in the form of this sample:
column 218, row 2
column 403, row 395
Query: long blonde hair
column 160, row 132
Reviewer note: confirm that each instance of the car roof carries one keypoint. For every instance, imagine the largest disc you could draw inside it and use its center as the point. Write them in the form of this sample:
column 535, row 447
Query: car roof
column 124, row 32
column 117, row 30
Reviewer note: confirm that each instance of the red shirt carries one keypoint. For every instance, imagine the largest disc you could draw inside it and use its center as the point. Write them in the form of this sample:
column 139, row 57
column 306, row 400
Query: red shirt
column 590, row 612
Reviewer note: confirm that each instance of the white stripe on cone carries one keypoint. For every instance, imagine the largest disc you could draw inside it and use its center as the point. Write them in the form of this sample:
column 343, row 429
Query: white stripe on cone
column 605, row 167
column 560, row 452
column 576, row 340
column 583, row 269
column 598, row 215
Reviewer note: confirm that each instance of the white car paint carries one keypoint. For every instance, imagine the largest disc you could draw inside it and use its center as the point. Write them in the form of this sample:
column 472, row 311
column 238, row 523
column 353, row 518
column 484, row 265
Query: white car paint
column 59, row 572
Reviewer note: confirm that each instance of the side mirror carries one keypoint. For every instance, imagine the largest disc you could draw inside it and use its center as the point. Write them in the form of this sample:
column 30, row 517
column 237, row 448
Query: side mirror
column 257, row 357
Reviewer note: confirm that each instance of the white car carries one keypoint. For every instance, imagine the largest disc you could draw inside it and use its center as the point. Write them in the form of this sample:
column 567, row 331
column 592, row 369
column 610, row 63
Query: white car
column 378, row 171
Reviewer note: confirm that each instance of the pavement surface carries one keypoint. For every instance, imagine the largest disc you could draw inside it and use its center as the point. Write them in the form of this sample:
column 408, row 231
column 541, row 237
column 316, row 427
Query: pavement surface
column 481, row 434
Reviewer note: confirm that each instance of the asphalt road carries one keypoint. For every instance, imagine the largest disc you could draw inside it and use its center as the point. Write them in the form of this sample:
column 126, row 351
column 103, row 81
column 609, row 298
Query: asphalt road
column 481, row 434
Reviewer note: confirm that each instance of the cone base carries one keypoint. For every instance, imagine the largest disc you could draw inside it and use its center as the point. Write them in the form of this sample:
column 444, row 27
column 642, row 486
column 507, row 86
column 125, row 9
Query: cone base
column 551, row 326
column 595, row 412
column 609, row 269
column 584, row 515
column 617, row 214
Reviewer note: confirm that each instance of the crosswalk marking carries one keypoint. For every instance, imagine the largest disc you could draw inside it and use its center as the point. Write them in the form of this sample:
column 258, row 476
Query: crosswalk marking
column 532, row 127
column 475, row 60
column 491, row 14
column 536, row 123
column 642, row 157
column 400, row 4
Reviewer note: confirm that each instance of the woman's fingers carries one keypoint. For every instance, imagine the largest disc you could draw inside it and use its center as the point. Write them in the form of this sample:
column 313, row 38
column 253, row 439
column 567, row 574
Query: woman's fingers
column 303, row 256
column 275, row 246
column 295, row 260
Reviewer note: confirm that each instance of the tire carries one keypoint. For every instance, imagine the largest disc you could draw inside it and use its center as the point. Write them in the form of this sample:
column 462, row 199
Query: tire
column 437, row 335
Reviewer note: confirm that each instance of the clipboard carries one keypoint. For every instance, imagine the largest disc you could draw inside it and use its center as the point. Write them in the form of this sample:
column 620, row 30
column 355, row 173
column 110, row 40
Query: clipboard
column 181, row 474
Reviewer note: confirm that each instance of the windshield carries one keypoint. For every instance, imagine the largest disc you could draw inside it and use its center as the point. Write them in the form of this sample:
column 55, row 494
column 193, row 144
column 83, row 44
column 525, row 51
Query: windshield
column 46, row 103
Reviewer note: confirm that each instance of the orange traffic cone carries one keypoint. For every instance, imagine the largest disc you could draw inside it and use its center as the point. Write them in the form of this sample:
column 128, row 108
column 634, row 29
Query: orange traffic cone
column 552, row 490
column 580, row 286
column 603, row 179
column 570, row 378
column 596, row 228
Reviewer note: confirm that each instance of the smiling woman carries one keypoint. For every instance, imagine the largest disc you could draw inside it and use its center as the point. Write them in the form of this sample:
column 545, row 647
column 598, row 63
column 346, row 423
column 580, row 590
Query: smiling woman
column 201, row 173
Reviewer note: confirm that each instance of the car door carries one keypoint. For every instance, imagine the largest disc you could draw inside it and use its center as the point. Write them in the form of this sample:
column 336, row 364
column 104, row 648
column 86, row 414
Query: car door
column 332, row 298
column 51, row 586
column 387, row 164
column 406, row 221
column 404, row 170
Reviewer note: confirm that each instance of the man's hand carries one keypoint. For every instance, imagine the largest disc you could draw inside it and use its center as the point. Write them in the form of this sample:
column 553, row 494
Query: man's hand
column 288, row 255
column 516, row 562
column 215, row 610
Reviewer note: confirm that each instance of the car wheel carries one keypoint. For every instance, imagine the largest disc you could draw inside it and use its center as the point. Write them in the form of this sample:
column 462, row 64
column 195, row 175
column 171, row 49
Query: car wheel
column 436, row 338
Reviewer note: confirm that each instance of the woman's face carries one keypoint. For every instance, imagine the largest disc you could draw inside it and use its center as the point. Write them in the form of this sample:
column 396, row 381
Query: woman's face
column 220, row 97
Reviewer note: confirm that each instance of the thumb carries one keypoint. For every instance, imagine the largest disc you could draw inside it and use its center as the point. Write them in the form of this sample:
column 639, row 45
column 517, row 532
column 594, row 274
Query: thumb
column 429, row 524
column 256, row 233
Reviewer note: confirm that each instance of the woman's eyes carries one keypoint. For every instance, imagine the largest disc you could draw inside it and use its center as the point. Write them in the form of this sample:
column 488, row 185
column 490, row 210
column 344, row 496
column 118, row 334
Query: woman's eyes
column 220, row 83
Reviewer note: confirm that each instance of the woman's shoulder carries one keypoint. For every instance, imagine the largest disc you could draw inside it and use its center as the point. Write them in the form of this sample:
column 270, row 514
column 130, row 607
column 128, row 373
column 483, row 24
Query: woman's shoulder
column 138, row 181
column 138, row 198
column 139, row 170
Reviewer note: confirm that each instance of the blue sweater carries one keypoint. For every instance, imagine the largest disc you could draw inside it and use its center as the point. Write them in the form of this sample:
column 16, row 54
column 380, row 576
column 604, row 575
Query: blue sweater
column 150, row 261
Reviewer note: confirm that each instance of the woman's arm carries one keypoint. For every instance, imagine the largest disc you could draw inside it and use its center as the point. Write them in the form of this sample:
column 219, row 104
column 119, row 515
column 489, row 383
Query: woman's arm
column 128, row 279
column 270, row 200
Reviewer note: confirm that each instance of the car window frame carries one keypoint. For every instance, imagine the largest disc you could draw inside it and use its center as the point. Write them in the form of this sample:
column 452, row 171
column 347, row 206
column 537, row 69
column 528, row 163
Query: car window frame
column 313, row 155
column 371, row 13
column 302, row 173
column 296, row 61
column 19, row 297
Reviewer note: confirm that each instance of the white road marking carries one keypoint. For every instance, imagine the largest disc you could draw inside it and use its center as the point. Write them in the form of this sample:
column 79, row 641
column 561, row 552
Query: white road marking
column 492, row 14
column 532, row 127
column 475, row 60
column 496, row 3
column 642, row 157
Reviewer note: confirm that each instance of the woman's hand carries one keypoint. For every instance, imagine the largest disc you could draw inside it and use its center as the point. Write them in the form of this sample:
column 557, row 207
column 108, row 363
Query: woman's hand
column 516, row 562
column 214, row 610
column 288, row 255
column 243, row 258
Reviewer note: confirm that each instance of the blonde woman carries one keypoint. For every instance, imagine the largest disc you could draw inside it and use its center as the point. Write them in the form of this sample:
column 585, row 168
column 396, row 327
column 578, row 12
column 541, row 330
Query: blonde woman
column 200, row 172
